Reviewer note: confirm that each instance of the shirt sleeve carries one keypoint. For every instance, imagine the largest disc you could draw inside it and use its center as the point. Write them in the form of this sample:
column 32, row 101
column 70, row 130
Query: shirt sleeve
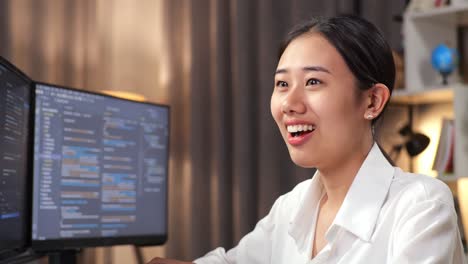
column 254, row 248
column 428, row 233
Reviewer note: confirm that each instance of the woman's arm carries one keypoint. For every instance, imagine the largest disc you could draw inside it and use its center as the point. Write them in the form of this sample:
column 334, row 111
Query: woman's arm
column 254, row 248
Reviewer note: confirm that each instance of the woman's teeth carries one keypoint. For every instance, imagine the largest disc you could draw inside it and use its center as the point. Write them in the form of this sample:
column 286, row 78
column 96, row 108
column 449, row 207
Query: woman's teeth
column 300, row 128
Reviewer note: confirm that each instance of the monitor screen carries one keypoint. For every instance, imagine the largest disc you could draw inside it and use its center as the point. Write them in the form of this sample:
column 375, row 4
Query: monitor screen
column 15, row 89
column 100, row 170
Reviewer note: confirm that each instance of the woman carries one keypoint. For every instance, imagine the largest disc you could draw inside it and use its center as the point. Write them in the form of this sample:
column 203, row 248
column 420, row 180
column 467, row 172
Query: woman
column 333, row 81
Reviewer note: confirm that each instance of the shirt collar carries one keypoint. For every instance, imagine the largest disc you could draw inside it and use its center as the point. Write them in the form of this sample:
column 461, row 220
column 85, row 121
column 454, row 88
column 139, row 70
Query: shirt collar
column 301, row 223
column 361, row 206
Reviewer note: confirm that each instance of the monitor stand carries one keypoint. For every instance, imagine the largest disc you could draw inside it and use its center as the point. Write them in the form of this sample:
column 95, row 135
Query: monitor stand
column 63, row 257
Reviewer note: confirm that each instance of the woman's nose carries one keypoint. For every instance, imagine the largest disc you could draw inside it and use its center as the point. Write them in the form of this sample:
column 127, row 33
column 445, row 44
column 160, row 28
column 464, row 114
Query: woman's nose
column 294, row 102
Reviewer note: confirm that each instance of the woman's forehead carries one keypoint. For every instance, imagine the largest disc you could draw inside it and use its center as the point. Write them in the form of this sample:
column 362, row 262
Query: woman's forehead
column 311, row 50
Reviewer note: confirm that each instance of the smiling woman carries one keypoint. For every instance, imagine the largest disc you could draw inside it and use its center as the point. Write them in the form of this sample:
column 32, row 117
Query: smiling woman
column 333, row 80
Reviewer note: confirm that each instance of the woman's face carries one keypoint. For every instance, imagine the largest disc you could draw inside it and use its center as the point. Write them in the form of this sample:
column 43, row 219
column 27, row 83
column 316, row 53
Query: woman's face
column 316, row 104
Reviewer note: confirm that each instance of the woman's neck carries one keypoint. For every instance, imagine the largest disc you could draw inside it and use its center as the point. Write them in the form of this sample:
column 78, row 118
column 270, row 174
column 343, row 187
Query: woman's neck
column 338, row 179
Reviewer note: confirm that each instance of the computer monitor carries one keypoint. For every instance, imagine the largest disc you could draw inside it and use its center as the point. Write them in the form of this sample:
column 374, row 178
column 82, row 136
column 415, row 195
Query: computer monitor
column 15, row 94
column 100, row 170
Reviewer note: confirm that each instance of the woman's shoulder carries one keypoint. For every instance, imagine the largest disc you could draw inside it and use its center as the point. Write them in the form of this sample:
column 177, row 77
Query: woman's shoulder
column 418, row 188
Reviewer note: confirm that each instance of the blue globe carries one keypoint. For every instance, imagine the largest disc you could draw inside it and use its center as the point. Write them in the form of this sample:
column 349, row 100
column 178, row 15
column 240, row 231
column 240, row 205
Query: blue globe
column 444, row 59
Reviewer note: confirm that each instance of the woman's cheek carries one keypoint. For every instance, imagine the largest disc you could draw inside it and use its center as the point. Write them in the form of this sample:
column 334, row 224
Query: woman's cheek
column 275, row 107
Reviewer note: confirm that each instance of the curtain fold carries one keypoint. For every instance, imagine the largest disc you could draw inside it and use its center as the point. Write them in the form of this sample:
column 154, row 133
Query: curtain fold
column 5, row 35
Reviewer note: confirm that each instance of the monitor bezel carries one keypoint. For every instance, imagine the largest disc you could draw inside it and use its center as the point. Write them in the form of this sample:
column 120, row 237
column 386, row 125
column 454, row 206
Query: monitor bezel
column 25, row 242
column 77, row 243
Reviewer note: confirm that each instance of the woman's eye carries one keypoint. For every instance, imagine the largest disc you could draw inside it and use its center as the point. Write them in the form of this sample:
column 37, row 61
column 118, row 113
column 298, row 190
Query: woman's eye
column 313, row 82
column 281, row 84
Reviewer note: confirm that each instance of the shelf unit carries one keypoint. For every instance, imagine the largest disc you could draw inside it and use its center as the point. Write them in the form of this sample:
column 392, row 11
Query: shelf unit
column 428, row 96
column 423, row 31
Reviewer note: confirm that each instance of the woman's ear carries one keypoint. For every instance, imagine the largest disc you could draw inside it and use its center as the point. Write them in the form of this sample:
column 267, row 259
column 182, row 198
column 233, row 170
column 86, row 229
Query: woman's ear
column 377, row 97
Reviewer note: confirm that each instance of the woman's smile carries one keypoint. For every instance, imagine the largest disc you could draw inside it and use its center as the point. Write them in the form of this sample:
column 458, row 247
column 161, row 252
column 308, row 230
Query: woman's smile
column 299, row 132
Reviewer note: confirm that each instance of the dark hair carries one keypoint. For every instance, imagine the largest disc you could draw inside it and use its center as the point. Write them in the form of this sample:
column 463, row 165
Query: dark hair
column 359, row 42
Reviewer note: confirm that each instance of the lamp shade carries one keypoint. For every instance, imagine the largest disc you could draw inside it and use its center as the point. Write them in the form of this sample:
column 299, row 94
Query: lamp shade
column 416, row 144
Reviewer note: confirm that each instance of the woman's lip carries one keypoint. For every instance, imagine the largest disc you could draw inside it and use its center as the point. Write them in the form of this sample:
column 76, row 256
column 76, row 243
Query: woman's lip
column 299, row 140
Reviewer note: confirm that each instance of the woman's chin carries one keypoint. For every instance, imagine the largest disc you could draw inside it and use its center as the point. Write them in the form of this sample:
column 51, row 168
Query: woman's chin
column 304, row 162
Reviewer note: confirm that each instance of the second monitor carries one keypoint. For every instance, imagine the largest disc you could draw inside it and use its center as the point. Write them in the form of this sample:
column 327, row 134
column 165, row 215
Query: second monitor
column 100, row 170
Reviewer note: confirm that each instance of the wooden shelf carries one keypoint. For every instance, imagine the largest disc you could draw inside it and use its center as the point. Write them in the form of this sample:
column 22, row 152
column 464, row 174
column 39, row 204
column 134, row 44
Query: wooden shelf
column 448, row 178
column 432, row 95
column 438, row 11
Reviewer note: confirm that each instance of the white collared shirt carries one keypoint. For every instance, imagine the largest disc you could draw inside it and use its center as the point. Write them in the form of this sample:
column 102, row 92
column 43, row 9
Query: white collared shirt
column 387, row 216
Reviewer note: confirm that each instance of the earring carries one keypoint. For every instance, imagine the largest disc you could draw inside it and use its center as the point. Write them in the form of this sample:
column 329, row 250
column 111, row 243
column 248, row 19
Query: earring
column 369, row 116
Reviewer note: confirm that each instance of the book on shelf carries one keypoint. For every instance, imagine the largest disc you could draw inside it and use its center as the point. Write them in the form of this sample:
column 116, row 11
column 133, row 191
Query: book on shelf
column 443, row 161
column 425, row 5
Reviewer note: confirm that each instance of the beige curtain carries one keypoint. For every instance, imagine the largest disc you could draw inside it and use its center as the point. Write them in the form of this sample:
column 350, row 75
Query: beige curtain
column 142, row 47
